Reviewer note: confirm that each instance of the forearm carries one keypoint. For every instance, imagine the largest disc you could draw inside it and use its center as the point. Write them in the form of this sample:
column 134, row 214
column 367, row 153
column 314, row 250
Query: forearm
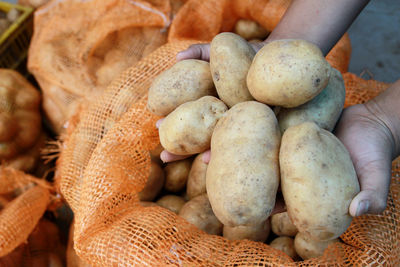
column 386, row 108
column 322, row 22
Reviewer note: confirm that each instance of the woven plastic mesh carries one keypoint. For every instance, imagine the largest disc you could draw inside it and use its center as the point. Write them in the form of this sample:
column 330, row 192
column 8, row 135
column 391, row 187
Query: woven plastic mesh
column 104, row 168
column 79, row 46
column 20, row 216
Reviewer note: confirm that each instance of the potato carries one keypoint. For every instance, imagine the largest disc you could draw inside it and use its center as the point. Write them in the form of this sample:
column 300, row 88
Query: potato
column 282, row 225
column 318, row 181
column 249, row 29
column 285, row 244
column 188, row 129
column 230, row 60
column 243, row 173
column 171, row 202
column 154, row 184
column 256, row 233
column 324, row 109
column 155, row 154
column 176, row 174
column 186, row 81
column 196, row 183
column 308, row 248
column 287, row 73
column 198, row 211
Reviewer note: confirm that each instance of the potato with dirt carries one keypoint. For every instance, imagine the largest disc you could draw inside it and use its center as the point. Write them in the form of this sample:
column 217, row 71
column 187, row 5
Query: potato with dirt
column 188, row 129
column 288, row 73
column 285, row 244
column 196, row 183
column 282, row 225
column 324, row 109
column 198, row 211
column 308, row 248
column 176, row 175
column 318, row 181
column 230, row 60
column 171, row 202
column 258, row 233
column 186, row 81
column 155, row 183
column 243, row 173
column 249, row 29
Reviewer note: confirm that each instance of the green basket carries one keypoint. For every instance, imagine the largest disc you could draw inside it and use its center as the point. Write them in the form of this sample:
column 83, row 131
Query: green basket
column 14, row 42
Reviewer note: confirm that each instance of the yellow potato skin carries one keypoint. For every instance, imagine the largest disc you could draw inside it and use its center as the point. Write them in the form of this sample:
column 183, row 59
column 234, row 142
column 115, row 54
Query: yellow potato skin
column 324, row 109
column 258, row 233
column 187, row 80
column 176, row 175
column 172, row 202
column 318, row 181
column 285, row 244
column 188, row 129
column 287, row 73
column 198, row 211
column 230, row 60
column 196, row 184
column 249, row 29
column 243, row 192
column 282, row 225
column 308, row 248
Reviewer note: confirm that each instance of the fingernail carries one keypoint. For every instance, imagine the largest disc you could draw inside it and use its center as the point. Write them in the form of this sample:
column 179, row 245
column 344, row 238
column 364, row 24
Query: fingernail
column 162, row 156
column 362, row 208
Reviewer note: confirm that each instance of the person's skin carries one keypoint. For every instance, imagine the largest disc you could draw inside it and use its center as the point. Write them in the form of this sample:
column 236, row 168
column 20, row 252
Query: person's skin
column 370, row 131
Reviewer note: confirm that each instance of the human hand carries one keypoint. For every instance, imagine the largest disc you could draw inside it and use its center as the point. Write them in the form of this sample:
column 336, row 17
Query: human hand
column 371, row 144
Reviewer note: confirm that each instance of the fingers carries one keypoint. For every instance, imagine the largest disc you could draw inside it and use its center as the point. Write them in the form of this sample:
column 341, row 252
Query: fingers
column 197, row 51
column 165, row 156
column 206, row 156
column 158, row 123
column 374, row 182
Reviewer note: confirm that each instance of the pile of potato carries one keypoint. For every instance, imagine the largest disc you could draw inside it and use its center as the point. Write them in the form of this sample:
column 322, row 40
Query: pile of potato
column 267, row 118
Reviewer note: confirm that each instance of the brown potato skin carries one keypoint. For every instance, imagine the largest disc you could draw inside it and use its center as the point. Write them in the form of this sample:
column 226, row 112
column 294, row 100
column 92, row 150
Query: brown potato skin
column 176, row 174
column 198, row 211
column 318, row 181
column 230, row 60
column 285, row 244
column 155, row 154
column 188, row 129
column 258, row 233
column 324, row 109
column 308, row 248
column 287, row 73
column 282, row 225
column 172, row 202
column 196, row 184
column 154, row 184
column 187, row 80
column 243, row 173
column 249, row 29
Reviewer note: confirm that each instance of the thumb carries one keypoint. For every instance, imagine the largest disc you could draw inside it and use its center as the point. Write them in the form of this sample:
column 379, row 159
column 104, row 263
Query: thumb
column 197, row 51
column 374, row 182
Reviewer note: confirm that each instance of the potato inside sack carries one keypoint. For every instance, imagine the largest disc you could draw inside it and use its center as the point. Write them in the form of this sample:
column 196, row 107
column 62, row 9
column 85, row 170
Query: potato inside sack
column 282, row 225
column 243, row 192
column 258, row 233
column 187, row 80
column 198, row 211
column 171, row 202
column 196, row 183
column 318, row 181
column 249, row 29
column 288, row 73
column 230, row 60
column 188, row 129
column 176, row 175
column 154, row 184
column 308, row 248
column 285, row 244
column 324, row 109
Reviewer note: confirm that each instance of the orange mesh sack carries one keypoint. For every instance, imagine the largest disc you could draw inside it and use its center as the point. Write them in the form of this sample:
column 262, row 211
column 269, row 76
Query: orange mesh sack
column 104, row 168
column 203, row 19
column 79, row 46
